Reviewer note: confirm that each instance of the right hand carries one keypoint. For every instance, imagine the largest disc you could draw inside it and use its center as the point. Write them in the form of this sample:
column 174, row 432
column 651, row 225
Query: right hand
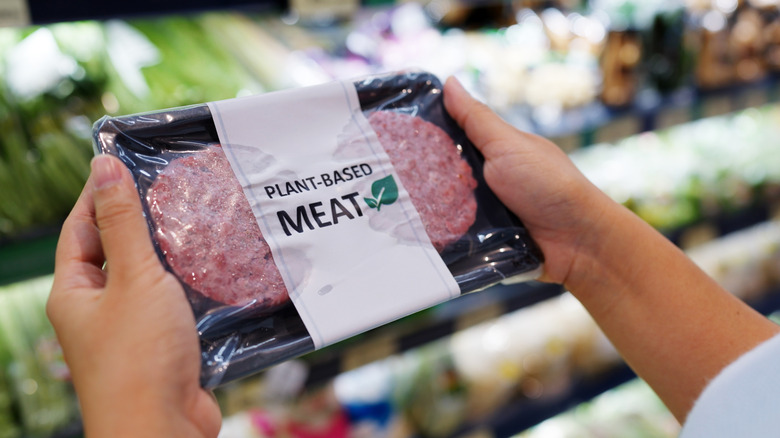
column 537, row 181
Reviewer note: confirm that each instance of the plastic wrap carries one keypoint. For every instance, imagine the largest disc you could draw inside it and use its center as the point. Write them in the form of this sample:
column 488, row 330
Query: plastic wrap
column 240, row 335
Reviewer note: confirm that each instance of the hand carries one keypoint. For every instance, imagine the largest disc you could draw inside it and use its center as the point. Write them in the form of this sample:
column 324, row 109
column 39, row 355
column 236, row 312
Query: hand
column 127, row 331
column 536, row 180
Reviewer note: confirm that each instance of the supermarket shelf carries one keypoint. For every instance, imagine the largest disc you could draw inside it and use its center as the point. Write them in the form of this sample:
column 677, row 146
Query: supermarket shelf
column 726, row 222
column 424, row 327
column 523, row 414
column 28, row 256
column 597, row 123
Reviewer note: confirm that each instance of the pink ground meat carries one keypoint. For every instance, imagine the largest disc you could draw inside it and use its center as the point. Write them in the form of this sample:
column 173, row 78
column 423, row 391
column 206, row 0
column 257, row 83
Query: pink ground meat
column 208, row 234
column 429, row 165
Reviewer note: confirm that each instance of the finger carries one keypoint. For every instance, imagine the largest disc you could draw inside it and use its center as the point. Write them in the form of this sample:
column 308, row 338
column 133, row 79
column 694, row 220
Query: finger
column 123, row 231
column 79, row 254
column 504, row 147
column 207, row 413
column 77, row 274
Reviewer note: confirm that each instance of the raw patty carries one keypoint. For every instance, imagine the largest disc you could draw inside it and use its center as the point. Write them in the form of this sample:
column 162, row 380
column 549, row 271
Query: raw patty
column 210, row 237
column 431, row 169
column 208, row 233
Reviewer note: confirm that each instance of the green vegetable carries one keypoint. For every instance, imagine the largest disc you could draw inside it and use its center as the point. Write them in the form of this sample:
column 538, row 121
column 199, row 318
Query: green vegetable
column 8, row 426
column 143, row 65
column 44, row 401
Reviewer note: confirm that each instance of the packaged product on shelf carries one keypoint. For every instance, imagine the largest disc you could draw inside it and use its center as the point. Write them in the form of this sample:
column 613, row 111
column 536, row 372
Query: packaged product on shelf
column 299, row 218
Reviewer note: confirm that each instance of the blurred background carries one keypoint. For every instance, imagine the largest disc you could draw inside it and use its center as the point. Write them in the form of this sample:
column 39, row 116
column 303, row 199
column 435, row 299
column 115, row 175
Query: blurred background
column 668, row 106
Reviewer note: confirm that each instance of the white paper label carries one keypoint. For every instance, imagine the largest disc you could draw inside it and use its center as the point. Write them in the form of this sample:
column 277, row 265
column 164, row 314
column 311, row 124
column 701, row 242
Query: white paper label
column 14, row 13
column 321, row 186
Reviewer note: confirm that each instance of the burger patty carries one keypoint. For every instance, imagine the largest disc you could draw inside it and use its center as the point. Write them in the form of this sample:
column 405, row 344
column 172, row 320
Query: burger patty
column 439, row 181
column 209, row 236
column 208, row 233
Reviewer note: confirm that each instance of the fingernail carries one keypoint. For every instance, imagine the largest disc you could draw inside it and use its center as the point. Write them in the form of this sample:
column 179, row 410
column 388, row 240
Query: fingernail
column 456, row 83
column 105, row 171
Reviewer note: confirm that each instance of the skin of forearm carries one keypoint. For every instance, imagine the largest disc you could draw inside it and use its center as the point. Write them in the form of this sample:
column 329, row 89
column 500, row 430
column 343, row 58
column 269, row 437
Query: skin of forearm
column 672, row 323
column 124, row 409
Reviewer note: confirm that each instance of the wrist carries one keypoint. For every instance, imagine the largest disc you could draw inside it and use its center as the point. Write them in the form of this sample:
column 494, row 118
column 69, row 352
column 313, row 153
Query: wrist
column 612, row 250
column 124, row 410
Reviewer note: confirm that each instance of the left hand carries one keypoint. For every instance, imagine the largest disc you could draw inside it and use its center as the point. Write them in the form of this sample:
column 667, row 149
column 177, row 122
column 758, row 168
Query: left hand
column 127, row 332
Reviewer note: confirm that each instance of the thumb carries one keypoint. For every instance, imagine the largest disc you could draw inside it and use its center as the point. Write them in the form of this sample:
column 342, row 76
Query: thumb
column 124, row 234
column 483, row 127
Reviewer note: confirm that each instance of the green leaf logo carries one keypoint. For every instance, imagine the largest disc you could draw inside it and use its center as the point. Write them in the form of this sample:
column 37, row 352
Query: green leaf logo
column 385, row 192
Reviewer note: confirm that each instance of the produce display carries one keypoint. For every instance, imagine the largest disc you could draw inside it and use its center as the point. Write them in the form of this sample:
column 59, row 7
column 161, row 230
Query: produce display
column 691, row 172
column 57, row 80
column 631, row 410
column 43, row 155
column 518, row 69
column 559, row 71
column 554, row 71
column 36, row 399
